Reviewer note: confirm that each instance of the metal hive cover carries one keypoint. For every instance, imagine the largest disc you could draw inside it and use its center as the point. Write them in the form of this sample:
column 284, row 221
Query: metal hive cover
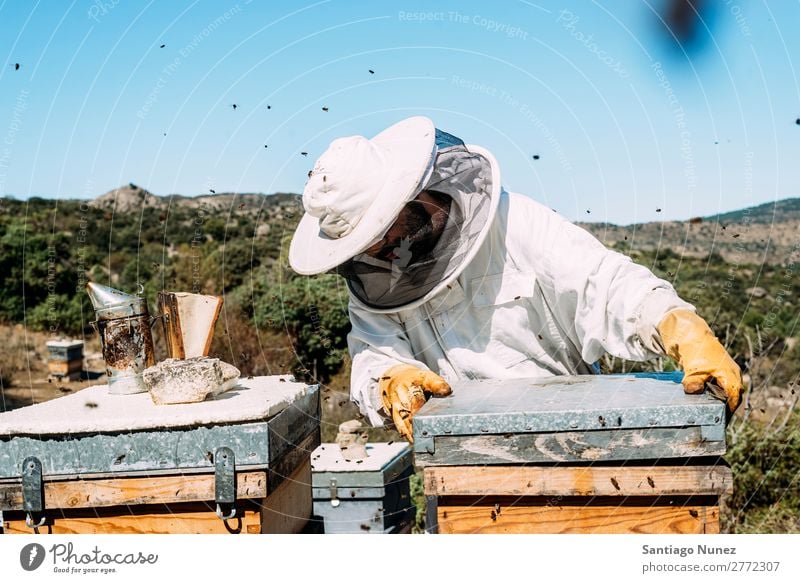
column 567, row 403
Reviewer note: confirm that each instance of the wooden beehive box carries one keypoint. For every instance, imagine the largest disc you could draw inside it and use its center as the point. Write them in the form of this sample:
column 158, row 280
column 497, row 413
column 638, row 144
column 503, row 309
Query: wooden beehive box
column 609, row 453
column 363, row 496
column 119, row 463
column 65, row 359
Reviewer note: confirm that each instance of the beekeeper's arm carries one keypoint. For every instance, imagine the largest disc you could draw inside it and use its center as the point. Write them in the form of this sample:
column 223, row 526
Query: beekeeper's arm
column 614, row 305
column 386, row 381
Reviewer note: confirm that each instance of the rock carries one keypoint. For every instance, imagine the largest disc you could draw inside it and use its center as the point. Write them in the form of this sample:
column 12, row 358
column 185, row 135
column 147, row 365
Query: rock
column 352, row 441
column 188, row 381
column 756, row 292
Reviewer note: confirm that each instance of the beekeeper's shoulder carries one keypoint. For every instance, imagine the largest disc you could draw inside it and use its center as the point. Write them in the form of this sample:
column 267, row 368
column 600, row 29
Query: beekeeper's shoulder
column 528, row 223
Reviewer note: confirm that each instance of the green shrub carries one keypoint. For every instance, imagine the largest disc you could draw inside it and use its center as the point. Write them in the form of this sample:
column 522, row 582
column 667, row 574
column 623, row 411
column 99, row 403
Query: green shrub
column 766, row 473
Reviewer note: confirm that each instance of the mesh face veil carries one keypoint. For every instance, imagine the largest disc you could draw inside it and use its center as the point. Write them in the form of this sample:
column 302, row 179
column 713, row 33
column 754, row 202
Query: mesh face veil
column 428, row 243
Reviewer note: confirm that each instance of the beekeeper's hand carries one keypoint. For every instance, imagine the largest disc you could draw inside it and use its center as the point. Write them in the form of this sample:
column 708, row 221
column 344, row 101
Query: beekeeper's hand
column 688, row 340
column 404, row 389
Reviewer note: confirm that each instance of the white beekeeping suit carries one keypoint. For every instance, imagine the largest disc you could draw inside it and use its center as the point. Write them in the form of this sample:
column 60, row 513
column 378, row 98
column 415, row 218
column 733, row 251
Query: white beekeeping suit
column 509, row 290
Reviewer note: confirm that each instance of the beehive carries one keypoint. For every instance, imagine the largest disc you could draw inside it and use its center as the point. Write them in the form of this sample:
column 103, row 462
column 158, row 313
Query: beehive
column 102, row 463
column 370, row 495
column 572, row 454
column 65, row 359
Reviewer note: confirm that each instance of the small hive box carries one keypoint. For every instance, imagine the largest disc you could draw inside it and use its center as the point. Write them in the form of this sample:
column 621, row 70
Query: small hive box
column 65, row 359
column 371, row 495
column 95, row 462
column 582, row 454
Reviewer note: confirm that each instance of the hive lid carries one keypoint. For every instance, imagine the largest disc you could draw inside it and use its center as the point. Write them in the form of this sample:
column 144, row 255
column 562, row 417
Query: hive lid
column 383, row 464
column 64, row 343
column 563, row 404
column 94, row 410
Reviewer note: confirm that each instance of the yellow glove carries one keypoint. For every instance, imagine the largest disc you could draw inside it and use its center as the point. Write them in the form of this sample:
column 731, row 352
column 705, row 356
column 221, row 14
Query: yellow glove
column 689, row 341
column 404, row 389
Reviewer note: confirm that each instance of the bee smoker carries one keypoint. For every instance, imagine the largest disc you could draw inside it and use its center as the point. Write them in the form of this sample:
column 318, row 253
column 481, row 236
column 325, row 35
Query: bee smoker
column 123, row 323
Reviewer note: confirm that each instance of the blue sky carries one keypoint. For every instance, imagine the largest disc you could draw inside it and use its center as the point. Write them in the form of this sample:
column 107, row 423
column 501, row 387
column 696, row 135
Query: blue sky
column 623, row 121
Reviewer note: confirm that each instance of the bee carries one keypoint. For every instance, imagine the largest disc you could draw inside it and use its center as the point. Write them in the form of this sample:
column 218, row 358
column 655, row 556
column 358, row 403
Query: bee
column 212, row 191
column 536, row 156
column 304, row 153
column 615, row 483
column 324, row 109
column 693, row 513
column 371, row 72
column 162, row 46
column 651, row 482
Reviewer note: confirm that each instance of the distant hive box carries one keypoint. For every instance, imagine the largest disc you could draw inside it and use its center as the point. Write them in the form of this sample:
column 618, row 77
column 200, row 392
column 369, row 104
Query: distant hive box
column 94, row 462
column 593, row 454
column 368, row 496
column 65, row 359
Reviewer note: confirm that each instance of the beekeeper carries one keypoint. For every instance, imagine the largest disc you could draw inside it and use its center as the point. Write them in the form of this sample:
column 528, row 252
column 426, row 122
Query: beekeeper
column 451, row 277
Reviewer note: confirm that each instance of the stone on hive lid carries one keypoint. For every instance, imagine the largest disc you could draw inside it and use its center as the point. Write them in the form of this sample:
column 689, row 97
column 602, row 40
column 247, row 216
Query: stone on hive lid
column 188, row 381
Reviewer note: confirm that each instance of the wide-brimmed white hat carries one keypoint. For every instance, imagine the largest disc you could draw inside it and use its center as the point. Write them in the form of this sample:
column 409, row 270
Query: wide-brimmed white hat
column 356, row 191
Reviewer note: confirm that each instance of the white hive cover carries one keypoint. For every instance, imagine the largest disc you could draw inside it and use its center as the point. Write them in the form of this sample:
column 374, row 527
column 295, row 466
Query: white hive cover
column 328, row 457
column 94, row 410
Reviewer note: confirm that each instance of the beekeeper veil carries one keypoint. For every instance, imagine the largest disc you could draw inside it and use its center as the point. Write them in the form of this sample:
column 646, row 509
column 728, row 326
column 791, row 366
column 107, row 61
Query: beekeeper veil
column 433, row 247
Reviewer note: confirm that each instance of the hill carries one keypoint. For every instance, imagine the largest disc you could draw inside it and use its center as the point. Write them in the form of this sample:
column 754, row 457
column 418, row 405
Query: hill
column 131, row 197
column 767, row 233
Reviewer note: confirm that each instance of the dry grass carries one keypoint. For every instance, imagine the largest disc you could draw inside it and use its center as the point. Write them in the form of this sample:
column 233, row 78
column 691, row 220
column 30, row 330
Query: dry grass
column 15, row 355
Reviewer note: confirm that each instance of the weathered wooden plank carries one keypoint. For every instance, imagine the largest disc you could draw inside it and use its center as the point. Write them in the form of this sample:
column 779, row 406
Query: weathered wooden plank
column 91, row 493
column 147, row 520
column 288, row 508
column 620, row 444
column 485, row 518
column 623, row 480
